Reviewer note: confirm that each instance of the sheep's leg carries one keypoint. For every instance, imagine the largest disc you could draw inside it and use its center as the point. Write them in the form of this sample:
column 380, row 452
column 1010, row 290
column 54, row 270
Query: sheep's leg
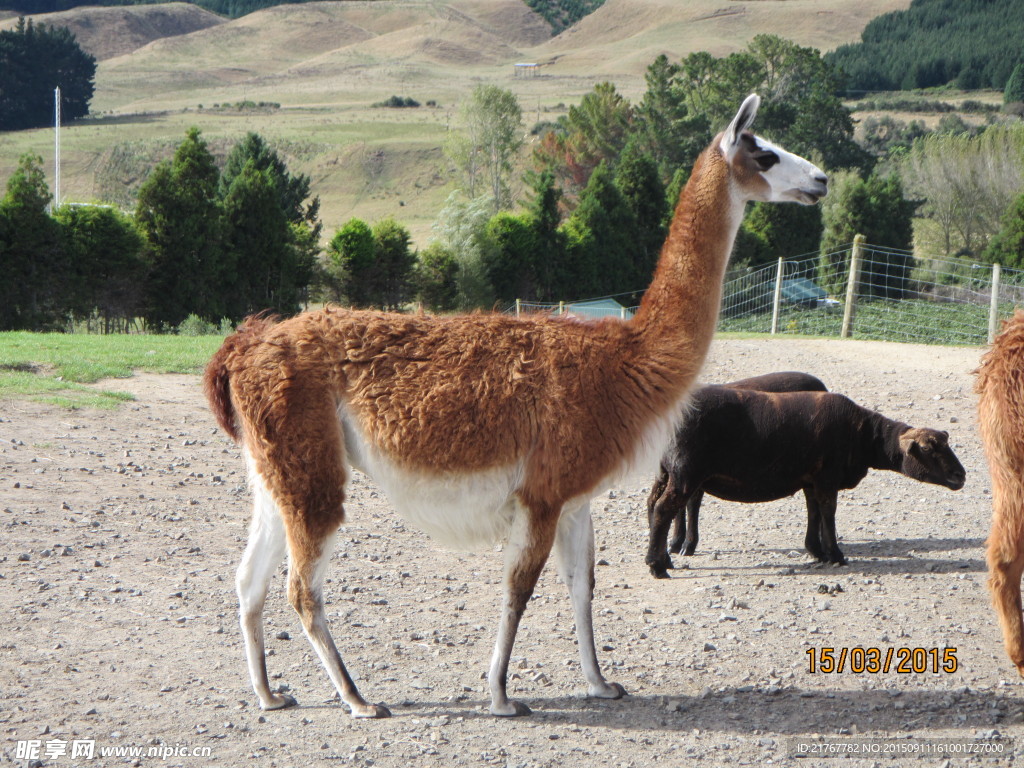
column 689, row 535
column 527, row 549
column 827, row 526
column 812, row 539
column 1005, row 566
column 673, row 500
column 574, row 552
column 660, row 481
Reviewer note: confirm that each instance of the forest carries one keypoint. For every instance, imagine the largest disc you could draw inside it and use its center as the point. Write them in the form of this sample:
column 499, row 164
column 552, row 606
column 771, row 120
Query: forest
column 969, row 44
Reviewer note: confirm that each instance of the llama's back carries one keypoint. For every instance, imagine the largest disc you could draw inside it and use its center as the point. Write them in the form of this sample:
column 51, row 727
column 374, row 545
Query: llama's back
column 1000, row 386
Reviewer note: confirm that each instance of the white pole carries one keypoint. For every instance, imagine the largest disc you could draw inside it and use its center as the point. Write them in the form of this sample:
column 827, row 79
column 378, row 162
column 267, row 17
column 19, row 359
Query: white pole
column 993, row 307
column 56, row 163
column 777, row 301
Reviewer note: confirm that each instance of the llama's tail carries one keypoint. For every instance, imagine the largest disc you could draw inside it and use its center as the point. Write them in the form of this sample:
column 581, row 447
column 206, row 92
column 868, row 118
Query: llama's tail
column 217, row 378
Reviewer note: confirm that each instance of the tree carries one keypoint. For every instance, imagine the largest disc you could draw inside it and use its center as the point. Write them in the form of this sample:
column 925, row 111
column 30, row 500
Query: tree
column 107, row 265
column 1007, row 247
column 1014, row 91
column 263, row 267
column 770, row 232
column 393, row 263
column 179, row 212
column 594, row 131
column 492, row 138
column 637, row 179
column 549, row 242
column 672, row 134
column 461, row 227
column 604, row 253
column 350, row 260
column 33, row 263
column 876, row 208
column 435, row 277
column 510, row 261
column 34, row 60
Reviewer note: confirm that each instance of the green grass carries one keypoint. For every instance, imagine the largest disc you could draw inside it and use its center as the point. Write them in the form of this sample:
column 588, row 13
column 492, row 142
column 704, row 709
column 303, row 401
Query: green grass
column 912, row 321
column 59, row 368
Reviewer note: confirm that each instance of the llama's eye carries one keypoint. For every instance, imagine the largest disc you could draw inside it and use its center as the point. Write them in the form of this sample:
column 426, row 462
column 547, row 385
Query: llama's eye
column 765, row 160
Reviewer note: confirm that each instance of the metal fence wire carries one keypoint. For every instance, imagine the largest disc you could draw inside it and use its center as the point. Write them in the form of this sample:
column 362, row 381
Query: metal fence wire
column 859, row 291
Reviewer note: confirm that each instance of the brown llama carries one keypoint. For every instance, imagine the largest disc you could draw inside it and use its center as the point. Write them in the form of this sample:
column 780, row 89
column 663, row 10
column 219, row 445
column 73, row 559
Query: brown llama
column 480, row 428
column 1000, row 385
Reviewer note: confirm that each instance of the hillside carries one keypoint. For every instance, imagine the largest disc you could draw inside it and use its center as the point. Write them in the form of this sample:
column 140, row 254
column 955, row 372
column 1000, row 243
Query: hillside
column 626, row 35
column 327, row 63
column 109, row 32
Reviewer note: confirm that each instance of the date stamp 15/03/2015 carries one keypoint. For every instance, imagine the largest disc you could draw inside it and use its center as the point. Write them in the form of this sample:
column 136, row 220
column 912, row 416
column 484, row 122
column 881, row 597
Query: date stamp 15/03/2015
column 874, row 660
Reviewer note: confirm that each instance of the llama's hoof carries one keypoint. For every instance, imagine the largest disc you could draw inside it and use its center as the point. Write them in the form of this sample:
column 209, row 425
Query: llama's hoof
column 608, row 691
column 371, row 711
column 511, row 709
column 278, row 701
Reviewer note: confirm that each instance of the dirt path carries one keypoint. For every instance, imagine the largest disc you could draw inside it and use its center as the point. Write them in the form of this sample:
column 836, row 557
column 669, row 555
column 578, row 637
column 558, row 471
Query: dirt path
column 123, row 531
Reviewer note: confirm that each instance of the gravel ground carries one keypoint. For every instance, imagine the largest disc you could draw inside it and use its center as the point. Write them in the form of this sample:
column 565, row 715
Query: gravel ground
column 124, row 528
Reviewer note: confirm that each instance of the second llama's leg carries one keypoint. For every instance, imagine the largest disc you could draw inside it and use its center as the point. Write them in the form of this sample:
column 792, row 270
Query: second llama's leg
column 1005, row 567
column 574, row 551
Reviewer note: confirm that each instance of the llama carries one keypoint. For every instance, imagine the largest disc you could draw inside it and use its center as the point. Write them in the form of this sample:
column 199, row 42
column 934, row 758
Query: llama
column 480, row 428
column 1000, row 386
column 750, row 446
column 685, row 531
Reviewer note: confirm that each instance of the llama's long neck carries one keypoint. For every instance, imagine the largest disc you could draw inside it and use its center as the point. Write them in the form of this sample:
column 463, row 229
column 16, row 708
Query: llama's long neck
column 679, row 312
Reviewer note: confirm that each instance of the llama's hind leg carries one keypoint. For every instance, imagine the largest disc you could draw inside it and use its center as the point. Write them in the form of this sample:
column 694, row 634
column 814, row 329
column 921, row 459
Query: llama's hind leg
column 527, row 549
column 263, row 554
column 574, row 552
column 1005, row 567
column 308, row 563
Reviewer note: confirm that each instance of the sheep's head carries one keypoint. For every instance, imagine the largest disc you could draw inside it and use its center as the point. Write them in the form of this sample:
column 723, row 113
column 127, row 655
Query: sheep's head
column 927, row 457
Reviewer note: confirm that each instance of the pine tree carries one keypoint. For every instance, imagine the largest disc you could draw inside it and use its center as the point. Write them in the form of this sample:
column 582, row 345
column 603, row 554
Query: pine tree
column 1014, row 91
column 604, row 252
column 350, row 262
column 510, row 264
column 393, row 263
column 179, row 212
column 637, row 178
column 435, row 278
column 34, row 266
column 548, row 239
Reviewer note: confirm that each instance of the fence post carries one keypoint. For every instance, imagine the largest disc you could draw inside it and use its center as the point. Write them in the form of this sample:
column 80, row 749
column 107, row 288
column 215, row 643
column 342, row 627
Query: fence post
column 993, row 306
column 561, row 307
column 851, row 287
column 519, row 306
column 777, row 301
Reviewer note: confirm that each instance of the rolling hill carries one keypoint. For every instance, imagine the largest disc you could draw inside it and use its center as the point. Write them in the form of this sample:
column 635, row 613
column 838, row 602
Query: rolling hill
column 164, row 68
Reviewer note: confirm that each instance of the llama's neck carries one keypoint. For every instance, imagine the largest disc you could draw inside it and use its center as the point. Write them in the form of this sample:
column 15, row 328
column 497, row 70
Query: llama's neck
column 679, row 311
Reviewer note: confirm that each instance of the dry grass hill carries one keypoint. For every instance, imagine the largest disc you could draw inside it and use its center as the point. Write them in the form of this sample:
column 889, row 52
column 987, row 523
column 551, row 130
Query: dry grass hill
column 163, row 68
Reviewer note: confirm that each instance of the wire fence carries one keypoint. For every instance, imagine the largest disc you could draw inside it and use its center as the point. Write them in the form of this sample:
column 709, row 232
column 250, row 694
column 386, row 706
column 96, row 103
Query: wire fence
column 892, row 296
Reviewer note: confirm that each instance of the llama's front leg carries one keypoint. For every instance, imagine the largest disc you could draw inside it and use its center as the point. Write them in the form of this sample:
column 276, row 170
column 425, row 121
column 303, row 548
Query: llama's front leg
column 812, row 539
column 263, row 554
column 305, row 578
column 527, row 549
column 574, row 551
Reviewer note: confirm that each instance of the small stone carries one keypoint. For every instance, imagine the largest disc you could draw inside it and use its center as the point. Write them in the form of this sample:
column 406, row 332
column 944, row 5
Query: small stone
column 283, row 635
column 709, row 647
column 24, row 557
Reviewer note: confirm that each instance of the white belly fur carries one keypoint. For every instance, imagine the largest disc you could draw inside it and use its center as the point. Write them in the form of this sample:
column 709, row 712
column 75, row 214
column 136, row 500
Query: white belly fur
column 464, row 511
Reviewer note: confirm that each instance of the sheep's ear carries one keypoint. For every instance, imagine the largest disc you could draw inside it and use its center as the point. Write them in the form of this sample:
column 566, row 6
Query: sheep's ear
column 743, row 120
column 908, row 444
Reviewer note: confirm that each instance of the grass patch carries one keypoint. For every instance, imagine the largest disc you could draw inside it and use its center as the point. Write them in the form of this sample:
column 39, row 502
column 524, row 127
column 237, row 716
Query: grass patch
column 57, row 368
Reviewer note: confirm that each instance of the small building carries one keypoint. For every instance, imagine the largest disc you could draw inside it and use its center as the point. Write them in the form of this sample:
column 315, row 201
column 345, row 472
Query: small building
column 524, row 69
column 595, row 308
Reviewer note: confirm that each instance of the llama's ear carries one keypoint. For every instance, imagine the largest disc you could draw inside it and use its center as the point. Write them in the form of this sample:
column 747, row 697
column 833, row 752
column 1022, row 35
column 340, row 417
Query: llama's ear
column 743, row 120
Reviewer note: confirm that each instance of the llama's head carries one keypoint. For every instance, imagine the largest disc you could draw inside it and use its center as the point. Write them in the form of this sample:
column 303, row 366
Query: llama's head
column 763, row 171
column 928, row 457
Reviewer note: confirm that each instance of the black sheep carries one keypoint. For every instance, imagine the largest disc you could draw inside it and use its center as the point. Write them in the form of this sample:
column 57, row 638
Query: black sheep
column 750, row 446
